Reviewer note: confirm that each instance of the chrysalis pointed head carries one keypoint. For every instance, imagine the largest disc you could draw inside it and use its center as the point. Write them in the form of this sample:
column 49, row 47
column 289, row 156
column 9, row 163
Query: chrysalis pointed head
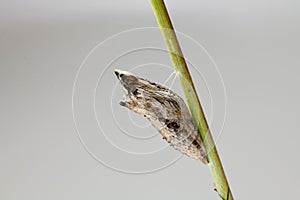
column 128, row 81
column 130, row 84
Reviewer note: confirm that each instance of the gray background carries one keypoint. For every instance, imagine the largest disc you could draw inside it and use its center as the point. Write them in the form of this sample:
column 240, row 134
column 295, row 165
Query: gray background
column 254, row 43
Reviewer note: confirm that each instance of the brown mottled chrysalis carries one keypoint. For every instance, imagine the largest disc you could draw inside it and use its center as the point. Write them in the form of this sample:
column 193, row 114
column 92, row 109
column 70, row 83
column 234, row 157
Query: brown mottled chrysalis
column 166, row 111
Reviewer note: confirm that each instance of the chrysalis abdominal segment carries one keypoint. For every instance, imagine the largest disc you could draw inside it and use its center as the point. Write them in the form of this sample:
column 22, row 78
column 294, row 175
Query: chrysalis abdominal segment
column 166, row 111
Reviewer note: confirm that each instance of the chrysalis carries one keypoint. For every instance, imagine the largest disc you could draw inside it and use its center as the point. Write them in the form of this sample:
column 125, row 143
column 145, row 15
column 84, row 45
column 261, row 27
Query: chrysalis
column 166, row 111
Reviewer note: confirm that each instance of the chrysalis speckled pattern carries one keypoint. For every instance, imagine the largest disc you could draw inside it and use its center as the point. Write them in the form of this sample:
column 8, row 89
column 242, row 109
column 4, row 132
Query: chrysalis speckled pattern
column 166, row 111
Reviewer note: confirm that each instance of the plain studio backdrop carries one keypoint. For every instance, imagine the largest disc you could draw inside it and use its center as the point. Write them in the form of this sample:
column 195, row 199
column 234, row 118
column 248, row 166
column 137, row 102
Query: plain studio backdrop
column 114, row 154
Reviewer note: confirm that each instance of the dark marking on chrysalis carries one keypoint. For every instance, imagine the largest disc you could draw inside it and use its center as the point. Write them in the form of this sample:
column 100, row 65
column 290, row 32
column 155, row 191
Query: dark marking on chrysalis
column 173, row 125
column 135, row 92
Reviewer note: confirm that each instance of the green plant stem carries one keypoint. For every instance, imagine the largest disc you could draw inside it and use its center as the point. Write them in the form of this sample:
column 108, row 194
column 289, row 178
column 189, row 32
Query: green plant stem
column 191, row 96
